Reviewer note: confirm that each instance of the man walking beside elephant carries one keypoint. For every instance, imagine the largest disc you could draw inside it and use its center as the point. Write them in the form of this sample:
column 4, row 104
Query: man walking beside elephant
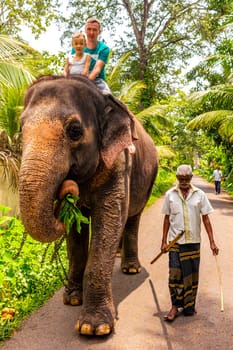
column 183, row 207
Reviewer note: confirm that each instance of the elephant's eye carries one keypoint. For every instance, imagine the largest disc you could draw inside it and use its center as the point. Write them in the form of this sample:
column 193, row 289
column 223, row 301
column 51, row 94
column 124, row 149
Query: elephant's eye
column 74, row 130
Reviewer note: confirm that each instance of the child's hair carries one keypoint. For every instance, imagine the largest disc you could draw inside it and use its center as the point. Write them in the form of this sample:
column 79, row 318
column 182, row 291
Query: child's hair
column 79, row 35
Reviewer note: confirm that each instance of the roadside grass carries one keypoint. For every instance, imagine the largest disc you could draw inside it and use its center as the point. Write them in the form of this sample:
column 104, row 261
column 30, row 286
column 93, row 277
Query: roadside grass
column 164, row 181
column 29, row 274
column 30, row 271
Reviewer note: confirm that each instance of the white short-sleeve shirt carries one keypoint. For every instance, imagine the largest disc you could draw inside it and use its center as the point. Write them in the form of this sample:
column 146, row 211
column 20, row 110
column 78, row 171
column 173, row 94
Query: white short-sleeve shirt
column 217, row 175
column 76, row 67
column 196, row 204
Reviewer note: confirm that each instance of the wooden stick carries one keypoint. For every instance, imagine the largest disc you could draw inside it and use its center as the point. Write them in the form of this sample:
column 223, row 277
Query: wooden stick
column 220, row 283
column 171, row 244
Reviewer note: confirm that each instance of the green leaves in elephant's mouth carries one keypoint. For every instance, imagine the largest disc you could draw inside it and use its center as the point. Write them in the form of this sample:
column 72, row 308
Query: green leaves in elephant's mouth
column 70, row 214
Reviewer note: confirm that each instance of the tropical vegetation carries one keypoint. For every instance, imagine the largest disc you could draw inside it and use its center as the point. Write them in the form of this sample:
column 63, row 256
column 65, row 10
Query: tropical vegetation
column 25, row 266
column 186, row 106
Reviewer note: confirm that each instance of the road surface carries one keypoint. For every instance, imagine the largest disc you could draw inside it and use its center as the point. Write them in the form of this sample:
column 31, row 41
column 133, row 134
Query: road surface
column 142, row 300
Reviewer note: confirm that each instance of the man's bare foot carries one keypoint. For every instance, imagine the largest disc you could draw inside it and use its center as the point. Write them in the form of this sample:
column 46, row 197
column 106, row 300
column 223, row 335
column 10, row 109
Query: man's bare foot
column 172, row 314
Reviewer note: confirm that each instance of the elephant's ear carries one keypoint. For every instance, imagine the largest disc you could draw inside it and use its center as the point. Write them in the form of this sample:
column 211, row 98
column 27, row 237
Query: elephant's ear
column 118, row 130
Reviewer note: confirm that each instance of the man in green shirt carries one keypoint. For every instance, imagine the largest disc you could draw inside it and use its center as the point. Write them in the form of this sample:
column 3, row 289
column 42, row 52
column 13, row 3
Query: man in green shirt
column 99, row 52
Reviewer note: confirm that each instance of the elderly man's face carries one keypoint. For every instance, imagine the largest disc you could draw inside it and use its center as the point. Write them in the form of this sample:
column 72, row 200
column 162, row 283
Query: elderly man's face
column 184, row 181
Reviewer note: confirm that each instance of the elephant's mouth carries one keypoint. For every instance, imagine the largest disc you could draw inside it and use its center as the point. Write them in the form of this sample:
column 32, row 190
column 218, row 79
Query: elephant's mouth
column 67, row 187
column 41, row 217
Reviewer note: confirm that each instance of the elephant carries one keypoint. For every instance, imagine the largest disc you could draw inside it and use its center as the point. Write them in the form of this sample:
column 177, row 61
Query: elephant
column 77, row 140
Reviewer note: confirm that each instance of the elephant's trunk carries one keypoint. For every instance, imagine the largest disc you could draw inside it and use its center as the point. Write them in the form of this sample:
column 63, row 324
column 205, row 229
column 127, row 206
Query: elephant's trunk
column 43, row 169
column 36, row 208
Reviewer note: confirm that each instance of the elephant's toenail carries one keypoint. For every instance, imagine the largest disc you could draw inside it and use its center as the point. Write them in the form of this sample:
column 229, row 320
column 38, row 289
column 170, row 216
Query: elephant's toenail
column 74, row 301
column 77, row 326
column 86, row 329
column 103, row 329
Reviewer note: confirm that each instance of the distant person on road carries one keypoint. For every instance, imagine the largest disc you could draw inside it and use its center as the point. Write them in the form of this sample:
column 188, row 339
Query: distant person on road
column 183, row 207
column 79, row 62
column 217, row 175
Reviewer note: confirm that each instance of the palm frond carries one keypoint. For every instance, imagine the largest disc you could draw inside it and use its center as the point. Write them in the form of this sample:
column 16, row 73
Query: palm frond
column 115, row 73
column 154, row 120
column 130, row 94
column 157, row 112
column 218, row 97
column 165, row 152
column 11, row 48
column 221, row 120
column 13, row 74
column 10, row 150
column 9, row 166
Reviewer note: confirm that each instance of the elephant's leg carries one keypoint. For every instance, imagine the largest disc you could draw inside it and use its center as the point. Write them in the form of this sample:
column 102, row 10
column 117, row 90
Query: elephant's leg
column 129, row 255
column 118, row 253
column 97, row 316
column 77, row 250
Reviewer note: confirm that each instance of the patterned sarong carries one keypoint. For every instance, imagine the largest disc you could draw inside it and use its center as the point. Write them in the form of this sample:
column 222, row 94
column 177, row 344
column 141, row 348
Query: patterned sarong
column 184, row 260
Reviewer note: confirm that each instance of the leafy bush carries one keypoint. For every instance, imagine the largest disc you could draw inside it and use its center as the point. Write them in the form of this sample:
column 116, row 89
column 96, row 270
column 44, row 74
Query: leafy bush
column 29, row 272
column 164, row 181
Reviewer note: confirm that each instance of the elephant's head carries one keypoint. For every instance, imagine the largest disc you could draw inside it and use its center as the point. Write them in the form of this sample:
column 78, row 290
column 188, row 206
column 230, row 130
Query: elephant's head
column 69, row 128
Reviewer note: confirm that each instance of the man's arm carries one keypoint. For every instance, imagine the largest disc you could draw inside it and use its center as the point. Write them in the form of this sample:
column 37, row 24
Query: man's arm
column 96, row 70
column 87, row 64
column 166, row 225
column 209, row 230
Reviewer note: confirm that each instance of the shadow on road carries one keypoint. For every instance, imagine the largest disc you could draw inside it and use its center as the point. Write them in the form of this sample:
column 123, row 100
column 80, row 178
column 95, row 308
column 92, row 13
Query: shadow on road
column 158, row 314
column 123, row 284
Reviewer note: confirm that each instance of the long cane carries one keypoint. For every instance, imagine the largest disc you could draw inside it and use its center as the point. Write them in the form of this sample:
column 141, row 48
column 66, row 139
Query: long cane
column 171, row 244
column 220, row 282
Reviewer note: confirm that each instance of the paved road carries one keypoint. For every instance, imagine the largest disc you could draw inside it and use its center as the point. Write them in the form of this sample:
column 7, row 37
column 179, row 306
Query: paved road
column 143, row 299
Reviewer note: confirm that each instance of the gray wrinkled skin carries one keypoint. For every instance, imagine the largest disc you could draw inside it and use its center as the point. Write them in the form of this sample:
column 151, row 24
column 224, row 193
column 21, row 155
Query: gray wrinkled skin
column 71, row 131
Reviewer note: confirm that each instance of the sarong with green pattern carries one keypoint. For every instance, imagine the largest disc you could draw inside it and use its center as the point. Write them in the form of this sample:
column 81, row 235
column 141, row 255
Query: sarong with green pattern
column 184, row 260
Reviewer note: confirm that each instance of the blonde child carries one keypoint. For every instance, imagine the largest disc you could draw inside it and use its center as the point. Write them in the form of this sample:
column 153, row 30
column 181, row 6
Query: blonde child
column 79, row 62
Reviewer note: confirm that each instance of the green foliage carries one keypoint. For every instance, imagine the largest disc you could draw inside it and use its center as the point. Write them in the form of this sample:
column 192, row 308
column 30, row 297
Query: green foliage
column 220, row 155
column 14, row 78
column 165, row 179
column 70, row 214
column 221, row 120
column 160, row 36
column 26, row 279
column 36, row 15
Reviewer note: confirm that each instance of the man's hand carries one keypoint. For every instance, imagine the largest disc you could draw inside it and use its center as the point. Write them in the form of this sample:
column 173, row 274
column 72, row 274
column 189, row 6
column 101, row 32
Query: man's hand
column 164, row 247
column 214, row 248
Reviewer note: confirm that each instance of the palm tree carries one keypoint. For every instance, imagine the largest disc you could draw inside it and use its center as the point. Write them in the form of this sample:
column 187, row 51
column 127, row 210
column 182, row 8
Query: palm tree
column 14, row 78
column 153, row 118
column 219, row 116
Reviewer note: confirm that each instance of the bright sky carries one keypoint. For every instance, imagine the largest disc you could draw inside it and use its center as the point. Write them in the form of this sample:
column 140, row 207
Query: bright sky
column 50, row 41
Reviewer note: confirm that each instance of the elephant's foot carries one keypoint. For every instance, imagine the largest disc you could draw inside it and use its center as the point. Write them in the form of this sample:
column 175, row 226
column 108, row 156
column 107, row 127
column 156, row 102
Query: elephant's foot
column 130, row 266
column 87, row 329
column 72, row 297
column 90, row 325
